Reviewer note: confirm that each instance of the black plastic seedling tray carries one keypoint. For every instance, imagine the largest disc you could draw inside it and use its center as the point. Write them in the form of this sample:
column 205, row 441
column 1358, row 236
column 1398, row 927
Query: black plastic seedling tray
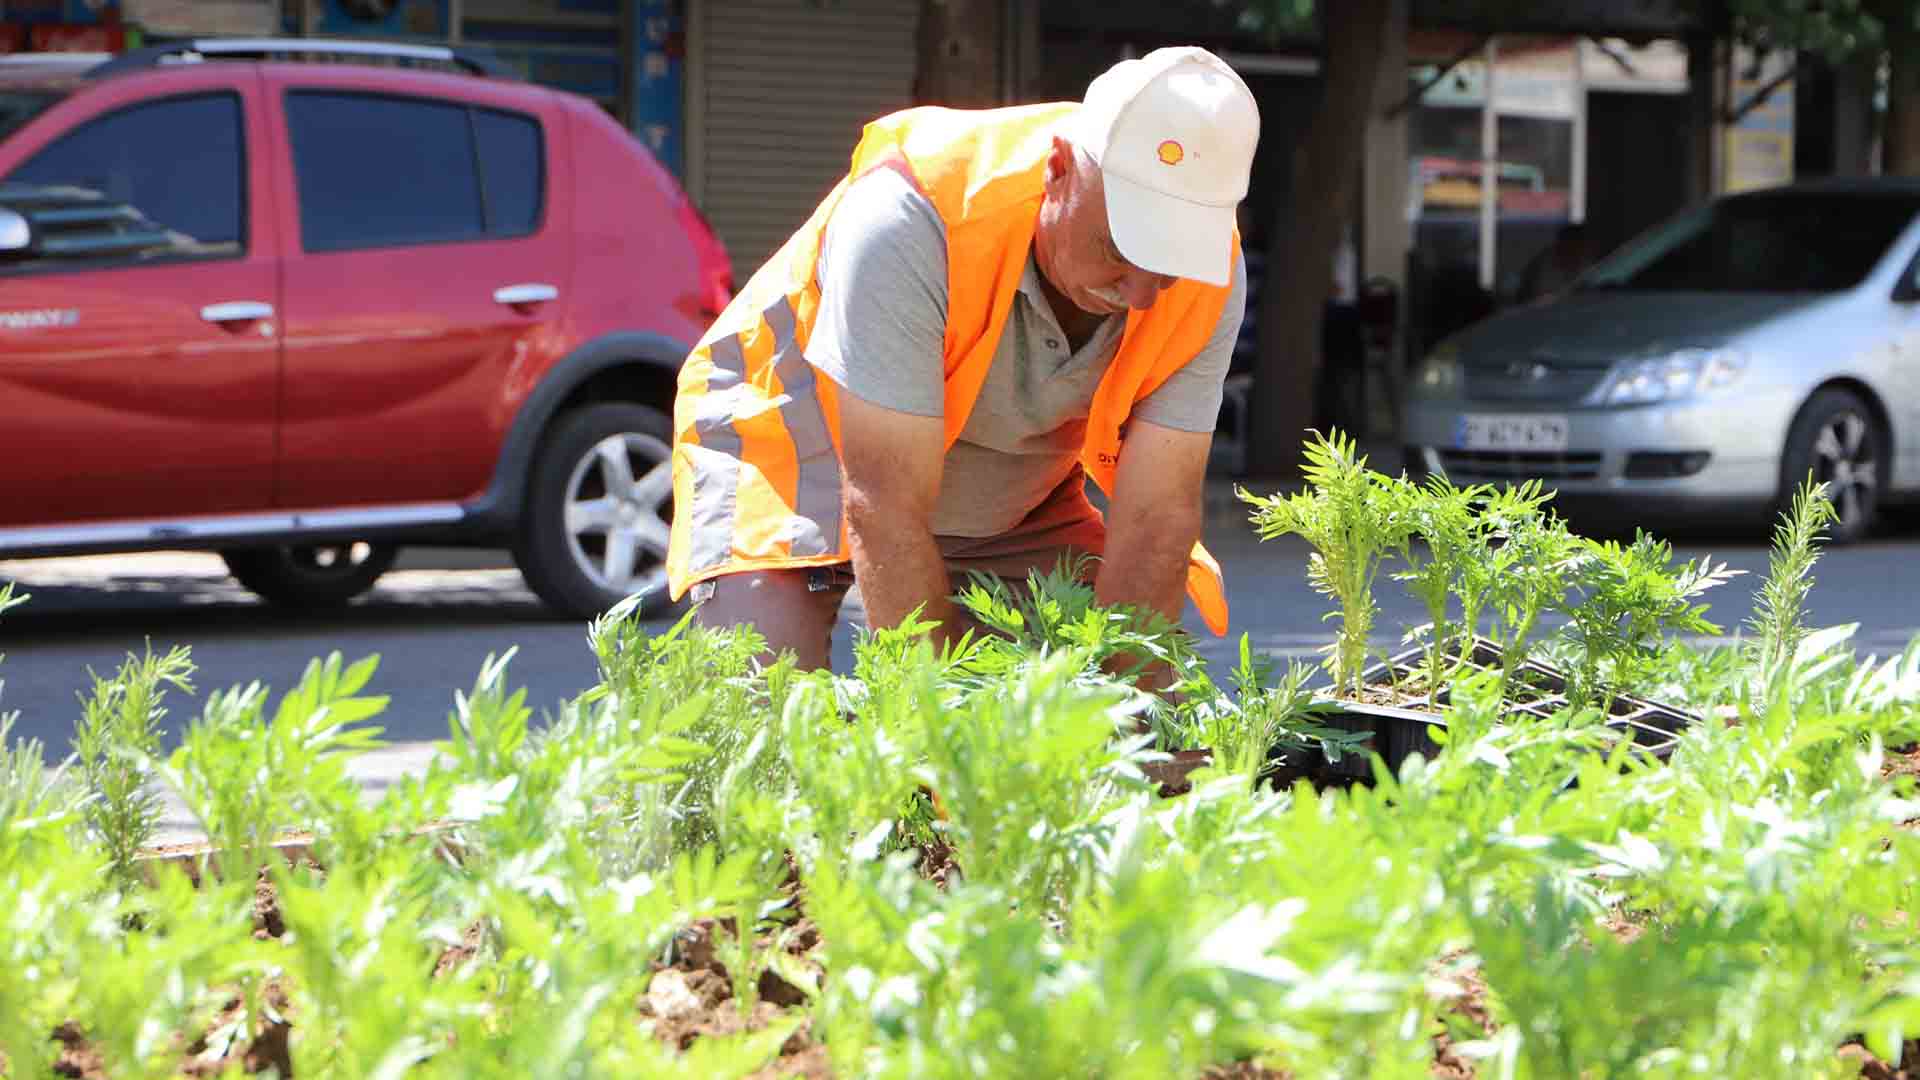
column 1400, row 730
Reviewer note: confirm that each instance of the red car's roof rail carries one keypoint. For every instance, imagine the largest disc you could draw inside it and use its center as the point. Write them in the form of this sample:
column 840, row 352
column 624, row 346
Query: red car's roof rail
column 199, row 49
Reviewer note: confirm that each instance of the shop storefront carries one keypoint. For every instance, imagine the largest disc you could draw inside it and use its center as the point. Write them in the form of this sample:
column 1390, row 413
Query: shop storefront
column 64, row 26
column 624, row 54
column 1501, row 162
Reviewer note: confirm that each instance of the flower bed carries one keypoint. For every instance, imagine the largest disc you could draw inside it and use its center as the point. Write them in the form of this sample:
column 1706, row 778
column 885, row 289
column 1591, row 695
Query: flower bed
column 1398, row 725
column 968, row 865
column 1491, row 566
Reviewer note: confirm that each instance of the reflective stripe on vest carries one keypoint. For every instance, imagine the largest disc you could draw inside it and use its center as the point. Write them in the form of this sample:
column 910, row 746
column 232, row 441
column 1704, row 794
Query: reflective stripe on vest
column 756, row 466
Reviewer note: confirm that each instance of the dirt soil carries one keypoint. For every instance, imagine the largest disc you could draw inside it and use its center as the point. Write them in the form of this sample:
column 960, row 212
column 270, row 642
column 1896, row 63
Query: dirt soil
column 1389, row 696
column 457, row 956
column 693, row 997
column 269, row 1050
column 936, row 864
column 1244, row 1070
column 1466, row 1013
column 1624, row 929
column 77, row 1057
column 1902, row 761
column 1872, row 1068
column 267, row 921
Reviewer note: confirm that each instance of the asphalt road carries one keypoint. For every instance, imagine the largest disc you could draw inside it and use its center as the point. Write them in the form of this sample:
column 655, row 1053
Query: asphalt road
column 434, row 620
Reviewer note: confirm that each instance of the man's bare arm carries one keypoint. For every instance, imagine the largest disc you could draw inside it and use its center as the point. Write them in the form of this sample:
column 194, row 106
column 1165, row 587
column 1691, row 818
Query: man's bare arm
column 892, row 463
column 1154, row 518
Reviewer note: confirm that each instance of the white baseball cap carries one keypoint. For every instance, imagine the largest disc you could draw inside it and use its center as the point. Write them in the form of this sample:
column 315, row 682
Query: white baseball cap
column 1173, row 133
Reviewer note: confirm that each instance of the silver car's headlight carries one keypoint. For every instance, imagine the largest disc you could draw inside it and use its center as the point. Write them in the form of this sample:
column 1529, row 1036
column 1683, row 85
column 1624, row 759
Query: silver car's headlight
column 1439, row 375
column 1677, row 375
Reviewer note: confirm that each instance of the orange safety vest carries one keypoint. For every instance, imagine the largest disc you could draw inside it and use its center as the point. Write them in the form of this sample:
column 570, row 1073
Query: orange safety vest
column 756, row 435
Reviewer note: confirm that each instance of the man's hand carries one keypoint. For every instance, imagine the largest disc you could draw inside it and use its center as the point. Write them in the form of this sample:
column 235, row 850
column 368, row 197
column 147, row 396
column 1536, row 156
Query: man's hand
column 892, row 463
column 1153, row 521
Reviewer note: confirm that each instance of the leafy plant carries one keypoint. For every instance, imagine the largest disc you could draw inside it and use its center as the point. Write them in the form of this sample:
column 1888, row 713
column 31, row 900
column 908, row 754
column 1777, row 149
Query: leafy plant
column 117, row 740
column 691, row 740
column 36, row 802
column 1267, row 719
column 233, row 764
column 489, row 723
column 1623, row 601
column 1021, row 774
column 1271, row 715
column 1055, row 610
column 1354, row 518
column 1446, row 522
column 9, row 598
column 1779, row 610
column 1529, row 571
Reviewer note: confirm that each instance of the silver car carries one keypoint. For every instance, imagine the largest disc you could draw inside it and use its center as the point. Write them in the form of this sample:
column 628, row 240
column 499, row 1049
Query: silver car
column 1707, row 366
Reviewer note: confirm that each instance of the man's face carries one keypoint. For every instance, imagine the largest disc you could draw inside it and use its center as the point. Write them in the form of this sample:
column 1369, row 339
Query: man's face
column 1074, row 245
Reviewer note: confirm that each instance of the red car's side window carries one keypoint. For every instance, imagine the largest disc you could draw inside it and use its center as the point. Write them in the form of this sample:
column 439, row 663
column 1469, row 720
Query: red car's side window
column 163, row 179
column 513, row 174
column 448, row 172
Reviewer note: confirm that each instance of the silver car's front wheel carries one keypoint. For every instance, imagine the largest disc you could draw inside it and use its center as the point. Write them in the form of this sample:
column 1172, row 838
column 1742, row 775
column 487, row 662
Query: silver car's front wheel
column 1838, row 440
column 598, row 509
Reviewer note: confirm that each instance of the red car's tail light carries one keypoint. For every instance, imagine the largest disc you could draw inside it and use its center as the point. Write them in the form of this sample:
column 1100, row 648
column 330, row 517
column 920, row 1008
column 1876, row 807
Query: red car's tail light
column 716, row 270
column 720, row 288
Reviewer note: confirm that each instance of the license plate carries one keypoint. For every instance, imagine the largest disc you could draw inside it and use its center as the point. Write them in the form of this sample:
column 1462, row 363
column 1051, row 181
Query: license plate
column 1547, row 433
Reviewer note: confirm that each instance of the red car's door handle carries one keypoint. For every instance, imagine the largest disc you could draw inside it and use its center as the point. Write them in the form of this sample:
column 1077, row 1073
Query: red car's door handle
column 236, row 311
column 525, row 295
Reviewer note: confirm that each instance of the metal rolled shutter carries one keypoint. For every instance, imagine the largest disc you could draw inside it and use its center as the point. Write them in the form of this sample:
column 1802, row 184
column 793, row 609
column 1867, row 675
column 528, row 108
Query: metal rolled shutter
column 251, row 18
column 779, row 93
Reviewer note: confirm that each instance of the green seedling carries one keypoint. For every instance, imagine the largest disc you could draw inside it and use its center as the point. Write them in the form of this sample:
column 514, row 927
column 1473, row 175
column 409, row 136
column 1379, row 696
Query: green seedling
column 237, row 764
column 1272, row 714
column 1452, row 544
column 1528, row 573
column 1778, row 622
column 1354, row 519
column 36, row 801
column 1624, row 600
column 117, row 741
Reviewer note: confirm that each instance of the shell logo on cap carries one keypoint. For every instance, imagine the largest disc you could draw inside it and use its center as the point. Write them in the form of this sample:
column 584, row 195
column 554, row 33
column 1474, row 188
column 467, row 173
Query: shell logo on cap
column 1172, row 153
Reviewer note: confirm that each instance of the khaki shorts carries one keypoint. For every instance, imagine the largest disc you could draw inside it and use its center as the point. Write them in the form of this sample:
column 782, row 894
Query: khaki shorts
column 796, row 609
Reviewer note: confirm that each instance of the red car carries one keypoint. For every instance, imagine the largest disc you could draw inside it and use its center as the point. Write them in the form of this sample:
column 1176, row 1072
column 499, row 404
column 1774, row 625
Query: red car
column 303, row 313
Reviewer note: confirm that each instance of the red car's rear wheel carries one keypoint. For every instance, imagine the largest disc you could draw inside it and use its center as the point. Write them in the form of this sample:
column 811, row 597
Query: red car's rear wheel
column 310, row 575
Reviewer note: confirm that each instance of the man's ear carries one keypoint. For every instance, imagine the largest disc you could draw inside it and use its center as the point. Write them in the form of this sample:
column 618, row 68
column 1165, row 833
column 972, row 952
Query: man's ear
column 1059, row 163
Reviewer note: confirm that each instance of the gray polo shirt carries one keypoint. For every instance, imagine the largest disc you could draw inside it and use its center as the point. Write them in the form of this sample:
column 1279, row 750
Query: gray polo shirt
column 880, row 332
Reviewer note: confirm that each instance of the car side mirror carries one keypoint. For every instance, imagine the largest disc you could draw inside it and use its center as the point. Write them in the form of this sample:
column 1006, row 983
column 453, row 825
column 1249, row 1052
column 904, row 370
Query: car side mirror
column 17, row 238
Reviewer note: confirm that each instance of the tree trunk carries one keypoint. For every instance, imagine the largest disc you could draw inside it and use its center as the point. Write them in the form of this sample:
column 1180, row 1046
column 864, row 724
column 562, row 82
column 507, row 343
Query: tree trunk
column 1900, row 142
column 959, row 54
column 1326, row 181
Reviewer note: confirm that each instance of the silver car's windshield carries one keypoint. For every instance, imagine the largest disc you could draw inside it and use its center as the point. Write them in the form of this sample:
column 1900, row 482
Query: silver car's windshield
column 1765, row 242
column 19, row 106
